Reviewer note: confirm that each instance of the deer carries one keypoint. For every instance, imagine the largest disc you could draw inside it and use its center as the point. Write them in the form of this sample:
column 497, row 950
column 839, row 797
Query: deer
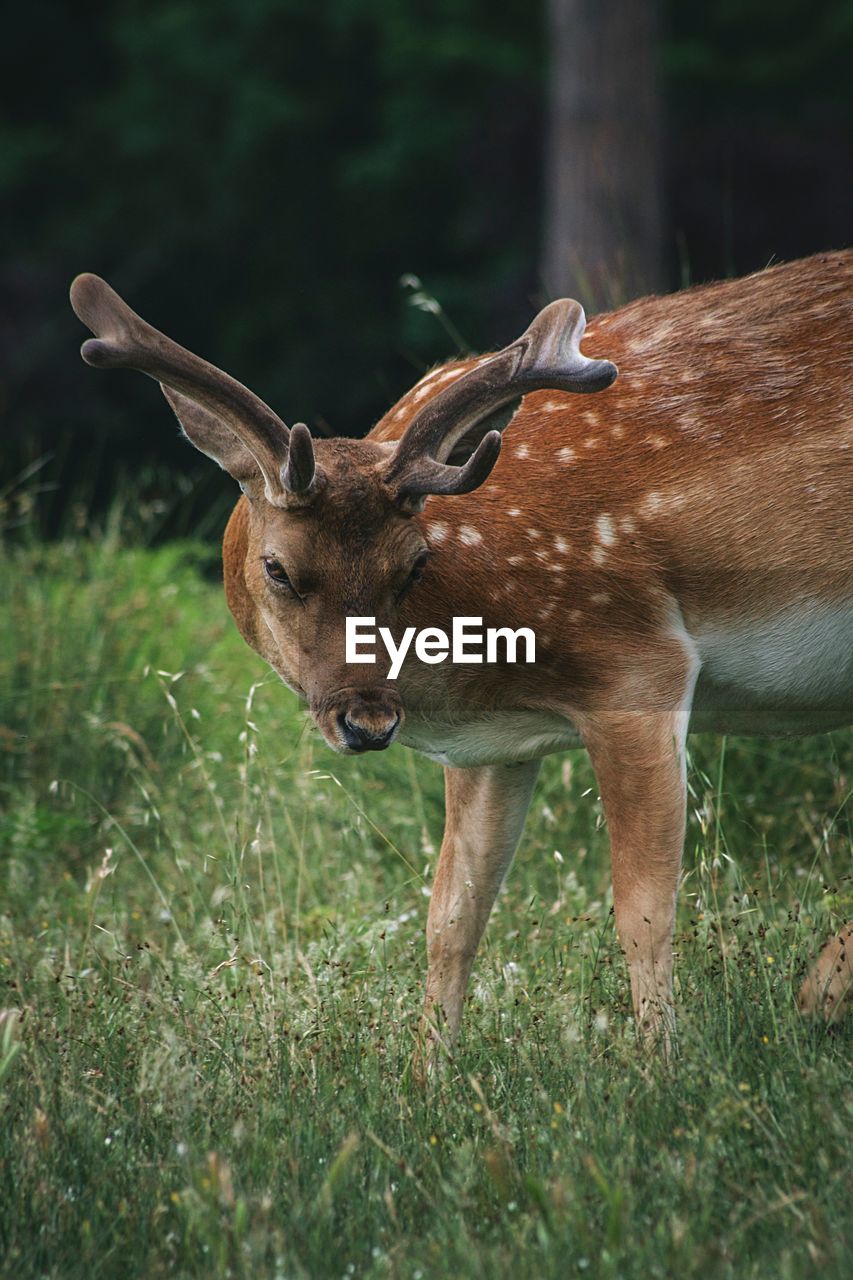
column 680, row 538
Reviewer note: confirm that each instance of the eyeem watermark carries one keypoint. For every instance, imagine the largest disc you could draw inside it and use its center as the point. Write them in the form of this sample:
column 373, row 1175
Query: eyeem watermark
column 469, row 643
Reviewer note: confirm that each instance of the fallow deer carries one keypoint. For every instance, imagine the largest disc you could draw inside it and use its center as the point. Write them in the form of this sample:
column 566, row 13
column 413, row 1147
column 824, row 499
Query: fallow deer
column 681, row 541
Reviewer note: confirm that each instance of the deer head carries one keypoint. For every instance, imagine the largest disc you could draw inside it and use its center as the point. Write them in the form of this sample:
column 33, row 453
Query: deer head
column 332, row 524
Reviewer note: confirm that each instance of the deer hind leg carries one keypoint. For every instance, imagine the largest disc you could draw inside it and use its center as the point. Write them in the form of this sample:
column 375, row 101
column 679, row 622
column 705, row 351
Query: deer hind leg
column 828, row 990
column 639, row 760
column 485, row 812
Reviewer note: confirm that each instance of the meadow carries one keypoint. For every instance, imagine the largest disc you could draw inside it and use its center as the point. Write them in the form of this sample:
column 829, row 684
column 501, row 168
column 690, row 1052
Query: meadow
column 211, row 957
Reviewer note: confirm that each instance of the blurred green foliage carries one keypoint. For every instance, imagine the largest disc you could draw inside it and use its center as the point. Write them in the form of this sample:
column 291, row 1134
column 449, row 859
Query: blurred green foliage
column 256, row 178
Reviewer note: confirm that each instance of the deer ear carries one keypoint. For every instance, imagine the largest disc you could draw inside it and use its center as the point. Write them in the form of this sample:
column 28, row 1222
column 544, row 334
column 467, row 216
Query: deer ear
column 212, row 437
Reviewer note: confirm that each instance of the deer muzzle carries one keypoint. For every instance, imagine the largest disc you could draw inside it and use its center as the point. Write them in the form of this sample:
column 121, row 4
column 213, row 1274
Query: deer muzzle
column 357, row 720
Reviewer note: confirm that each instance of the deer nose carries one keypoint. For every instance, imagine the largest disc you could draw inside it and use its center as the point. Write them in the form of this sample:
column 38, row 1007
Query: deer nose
column 362, row 737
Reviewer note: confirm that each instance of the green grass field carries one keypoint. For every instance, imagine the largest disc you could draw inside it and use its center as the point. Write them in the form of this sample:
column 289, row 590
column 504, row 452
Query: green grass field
column 211, row 950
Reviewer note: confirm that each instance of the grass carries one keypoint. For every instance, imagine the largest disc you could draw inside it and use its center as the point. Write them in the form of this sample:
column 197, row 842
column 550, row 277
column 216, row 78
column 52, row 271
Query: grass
column 211, row 957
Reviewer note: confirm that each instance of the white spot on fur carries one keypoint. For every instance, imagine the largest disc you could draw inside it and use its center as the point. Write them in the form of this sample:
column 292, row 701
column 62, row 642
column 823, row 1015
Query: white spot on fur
column 628, row 525
column 599, row 555
column 552, row 406
column 516, row 560
column 618, row 431
column 565, row 454
column 514, row 511
column 544, row 614
column 657, row 442
column 661, row 503
column 469, row 535
column 561, row 545
column 447, row 375
column 576, row 615
column 556, row 568
column 606, row 532
column 522, row 451
column 592, row 443
column 689, row 422
column 600, row 597
column 419, row 393
column 437, row 531
column 591, row 417
column 534, row 533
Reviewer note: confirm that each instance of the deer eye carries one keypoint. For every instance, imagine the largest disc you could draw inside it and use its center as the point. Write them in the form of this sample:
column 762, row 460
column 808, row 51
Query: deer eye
column 275, row 571
column 417, row 570
column 418, row 567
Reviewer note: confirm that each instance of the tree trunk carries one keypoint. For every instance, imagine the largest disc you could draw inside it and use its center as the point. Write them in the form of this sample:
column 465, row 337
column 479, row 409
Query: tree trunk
column 603, row 161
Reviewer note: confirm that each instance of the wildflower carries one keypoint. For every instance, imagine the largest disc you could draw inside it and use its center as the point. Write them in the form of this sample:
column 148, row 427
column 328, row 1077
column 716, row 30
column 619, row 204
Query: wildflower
column 106, row 868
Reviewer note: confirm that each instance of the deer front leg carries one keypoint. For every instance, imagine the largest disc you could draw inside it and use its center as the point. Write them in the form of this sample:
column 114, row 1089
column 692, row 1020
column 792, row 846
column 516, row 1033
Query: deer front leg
column 485, row 812
column 639, row 761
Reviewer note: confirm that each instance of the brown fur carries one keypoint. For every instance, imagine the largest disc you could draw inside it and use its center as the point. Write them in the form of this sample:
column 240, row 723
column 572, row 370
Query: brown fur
column 828, row 990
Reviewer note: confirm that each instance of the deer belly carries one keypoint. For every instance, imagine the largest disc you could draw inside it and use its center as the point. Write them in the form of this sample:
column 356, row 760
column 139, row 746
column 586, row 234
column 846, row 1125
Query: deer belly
column 792, row 674
column 504, row 737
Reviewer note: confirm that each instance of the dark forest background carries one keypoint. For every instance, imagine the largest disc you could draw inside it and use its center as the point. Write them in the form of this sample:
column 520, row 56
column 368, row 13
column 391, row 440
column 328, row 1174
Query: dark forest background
column 256, row 179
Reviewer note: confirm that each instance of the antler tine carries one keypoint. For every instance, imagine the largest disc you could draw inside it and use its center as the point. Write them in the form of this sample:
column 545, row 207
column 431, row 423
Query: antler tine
column 425, row 476
column 298, row 476
column 547, row 355
column 124, row 340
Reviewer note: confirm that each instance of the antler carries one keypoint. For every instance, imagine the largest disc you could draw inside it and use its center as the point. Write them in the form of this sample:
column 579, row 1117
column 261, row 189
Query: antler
column 480, row 403
column 124, row 340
